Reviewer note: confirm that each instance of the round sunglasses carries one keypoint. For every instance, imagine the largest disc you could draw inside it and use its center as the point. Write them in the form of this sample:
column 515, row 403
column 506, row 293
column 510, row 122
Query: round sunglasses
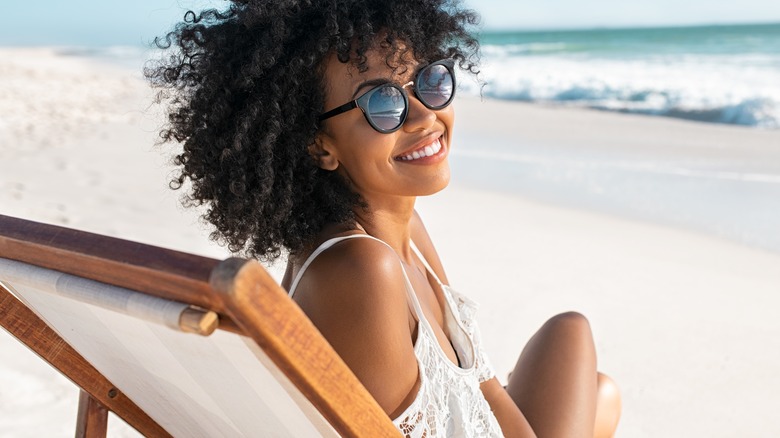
column 387, row 105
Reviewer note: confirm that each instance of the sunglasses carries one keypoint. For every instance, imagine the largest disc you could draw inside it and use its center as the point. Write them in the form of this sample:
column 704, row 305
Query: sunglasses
column 387, row 105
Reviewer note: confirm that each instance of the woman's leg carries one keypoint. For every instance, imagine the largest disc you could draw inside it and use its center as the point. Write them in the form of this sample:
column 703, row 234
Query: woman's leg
column 555, row 382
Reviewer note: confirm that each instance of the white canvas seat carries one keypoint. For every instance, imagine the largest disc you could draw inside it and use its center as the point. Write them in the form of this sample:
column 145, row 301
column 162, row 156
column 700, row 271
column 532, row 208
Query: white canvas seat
column 144, row 319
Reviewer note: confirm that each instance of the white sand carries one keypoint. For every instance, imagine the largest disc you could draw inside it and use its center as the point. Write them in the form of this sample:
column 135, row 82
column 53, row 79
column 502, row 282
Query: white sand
column 683, row 321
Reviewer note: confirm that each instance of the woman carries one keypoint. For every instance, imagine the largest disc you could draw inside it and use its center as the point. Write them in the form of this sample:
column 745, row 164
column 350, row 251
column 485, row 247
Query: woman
column 311, row 127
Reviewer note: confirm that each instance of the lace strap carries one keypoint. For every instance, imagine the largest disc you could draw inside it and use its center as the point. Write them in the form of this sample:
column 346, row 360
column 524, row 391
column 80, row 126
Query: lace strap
column 425, row 262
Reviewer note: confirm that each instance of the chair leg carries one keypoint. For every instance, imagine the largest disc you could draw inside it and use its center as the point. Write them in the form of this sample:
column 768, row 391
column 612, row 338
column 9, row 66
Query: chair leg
column 23, row 324
column 92, row 419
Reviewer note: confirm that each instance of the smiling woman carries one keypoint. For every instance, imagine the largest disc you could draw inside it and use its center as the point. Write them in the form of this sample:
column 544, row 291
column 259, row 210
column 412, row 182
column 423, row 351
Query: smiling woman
column 250, row 90
column 264, row 98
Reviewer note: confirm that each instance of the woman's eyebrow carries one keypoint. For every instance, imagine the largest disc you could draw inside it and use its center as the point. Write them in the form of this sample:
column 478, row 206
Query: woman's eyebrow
column 369, row 83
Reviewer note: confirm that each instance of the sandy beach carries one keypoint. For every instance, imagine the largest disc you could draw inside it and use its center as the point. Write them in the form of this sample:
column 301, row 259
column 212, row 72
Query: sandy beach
column 659, row 230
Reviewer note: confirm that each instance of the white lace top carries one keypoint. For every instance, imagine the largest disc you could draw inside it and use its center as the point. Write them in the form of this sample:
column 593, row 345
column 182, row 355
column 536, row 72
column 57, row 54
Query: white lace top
column 449, row 402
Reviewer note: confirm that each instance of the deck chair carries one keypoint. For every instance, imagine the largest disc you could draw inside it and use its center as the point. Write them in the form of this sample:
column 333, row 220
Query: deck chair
column 173, row 343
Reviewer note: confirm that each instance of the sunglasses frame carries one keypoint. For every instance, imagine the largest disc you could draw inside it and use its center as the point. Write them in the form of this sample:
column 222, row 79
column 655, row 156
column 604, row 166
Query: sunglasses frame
column 362, row 101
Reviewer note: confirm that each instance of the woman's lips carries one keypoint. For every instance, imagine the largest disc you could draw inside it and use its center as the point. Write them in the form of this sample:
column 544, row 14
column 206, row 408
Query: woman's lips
column 426, row 151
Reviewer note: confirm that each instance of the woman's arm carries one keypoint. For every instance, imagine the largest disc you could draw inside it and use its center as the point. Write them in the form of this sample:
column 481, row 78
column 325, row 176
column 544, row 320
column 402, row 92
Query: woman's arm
column 511, row 420
column 355, row 294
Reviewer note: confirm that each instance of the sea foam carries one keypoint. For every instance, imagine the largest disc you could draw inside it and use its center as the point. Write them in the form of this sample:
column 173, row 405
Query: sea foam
column 703, row 81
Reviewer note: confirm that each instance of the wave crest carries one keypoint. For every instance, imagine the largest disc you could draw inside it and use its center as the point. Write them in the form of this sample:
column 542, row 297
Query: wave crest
column 733, row 89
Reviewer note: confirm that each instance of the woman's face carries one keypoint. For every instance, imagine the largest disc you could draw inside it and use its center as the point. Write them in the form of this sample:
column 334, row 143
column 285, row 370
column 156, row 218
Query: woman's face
column 381, row 165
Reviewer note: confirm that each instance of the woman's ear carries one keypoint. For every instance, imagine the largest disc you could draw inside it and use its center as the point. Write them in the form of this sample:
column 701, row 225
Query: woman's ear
column 322, row 152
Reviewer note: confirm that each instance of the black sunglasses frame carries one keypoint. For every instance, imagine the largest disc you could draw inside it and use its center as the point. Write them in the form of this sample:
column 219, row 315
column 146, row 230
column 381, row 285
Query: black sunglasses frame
column 362, row 101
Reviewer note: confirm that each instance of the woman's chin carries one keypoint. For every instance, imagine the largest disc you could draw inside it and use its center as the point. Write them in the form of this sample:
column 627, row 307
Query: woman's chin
column 437, row 191
column 433, row 187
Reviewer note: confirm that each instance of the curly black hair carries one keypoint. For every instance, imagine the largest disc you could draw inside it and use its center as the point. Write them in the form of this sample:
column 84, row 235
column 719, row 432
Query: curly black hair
column 244, row 89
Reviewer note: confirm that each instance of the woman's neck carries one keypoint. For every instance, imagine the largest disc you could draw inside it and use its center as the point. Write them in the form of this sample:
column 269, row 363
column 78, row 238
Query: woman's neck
column 390, row 223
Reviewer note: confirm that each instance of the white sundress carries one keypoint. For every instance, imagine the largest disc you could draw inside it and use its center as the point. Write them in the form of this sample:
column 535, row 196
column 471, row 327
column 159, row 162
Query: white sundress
column 449, row 402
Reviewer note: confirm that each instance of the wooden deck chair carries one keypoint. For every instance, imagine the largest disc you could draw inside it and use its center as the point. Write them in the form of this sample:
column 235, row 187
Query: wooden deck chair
column 133, row 326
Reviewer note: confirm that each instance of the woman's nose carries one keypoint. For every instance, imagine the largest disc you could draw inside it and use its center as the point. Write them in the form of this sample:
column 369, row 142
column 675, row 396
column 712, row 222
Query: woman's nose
column 420, row 117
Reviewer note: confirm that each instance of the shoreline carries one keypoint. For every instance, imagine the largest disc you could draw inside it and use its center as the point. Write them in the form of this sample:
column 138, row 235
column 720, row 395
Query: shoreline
column 720, row 180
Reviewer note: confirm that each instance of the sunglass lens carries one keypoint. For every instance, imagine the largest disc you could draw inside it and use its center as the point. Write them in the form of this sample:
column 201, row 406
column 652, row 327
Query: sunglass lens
column 435, row 86
column 387, row 107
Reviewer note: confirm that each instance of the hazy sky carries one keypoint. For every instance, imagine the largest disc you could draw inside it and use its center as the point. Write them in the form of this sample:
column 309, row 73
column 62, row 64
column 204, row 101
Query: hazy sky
column 133, row 22
column 513, row 14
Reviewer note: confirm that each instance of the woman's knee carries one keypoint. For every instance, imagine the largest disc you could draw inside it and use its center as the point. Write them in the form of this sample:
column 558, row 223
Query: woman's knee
column 572, row 323
column 564, row 334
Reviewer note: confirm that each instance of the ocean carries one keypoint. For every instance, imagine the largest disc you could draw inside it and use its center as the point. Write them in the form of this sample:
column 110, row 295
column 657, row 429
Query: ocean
column 711, row 181
column 718, row 74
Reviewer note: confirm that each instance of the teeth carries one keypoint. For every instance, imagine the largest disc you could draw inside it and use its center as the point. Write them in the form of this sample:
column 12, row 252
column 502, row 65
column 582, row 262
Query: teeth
column 427, row 151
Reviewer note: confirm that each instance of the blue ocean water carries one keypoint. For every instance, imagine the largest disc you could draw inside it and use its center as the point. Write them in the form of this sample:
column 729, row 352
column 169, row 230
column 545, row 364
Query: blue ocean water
column 718, row 74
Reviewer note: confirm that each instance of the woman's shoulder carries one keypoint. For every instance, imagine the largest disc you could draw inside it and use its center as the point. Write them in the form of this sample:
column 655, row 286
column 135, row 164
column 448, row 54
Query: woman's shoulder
column 354, row 259
column 355, row 294
column 356, row 276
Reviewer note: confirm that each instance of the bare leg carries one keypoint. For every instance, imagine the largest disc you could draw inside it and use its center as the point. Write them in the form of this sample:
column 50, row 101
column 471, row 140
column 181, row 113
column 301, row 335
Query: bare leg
column 608, row 407
column 554, row 382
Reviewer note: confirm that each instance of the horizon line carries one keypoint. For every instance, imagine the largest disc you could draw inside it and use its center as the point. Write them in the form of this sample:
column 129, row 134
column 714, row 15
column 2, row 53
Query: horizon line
column 577, row 28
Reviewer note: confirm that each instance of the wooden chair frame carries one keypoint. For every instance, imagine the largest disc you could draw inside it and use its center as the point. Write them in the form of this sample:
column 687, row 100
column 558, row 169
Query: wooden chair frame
column 248, row 300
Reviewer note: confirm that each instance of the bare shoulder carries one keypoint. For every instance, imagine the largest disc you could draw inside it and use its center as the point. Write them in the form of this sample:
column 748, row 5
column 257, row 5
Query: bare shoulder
column 355, row 293
column 424, row 243
column 356, row 272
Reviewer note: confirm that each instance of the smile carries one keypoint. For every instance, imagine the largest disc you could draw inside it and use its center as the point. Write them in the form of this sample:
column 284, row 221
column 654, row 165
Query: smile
column 427, row 151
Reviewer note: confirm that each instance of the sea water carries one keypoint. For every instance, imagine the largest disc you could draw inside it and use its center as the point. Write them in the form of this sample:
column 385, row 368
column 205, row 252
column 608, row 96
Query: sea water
column 718, row 74
column 709, row 74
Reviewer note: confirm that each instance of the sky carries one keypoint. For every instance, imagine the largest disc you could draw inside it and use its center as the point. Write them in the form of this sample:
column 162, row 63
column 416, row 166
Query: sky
column 136, row 22
column 574, row 14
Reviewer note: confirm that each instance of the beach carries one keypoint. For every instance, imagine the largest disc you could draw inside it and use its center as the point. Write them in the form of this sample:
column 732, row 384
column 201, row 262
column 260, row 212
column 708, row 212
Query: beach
column 665, row 233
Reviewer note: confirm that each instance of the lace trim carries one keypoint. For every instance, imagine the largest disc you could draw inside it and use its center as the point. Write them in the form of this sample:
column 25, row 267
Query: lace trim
column 467, row 313
column 449, row 402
